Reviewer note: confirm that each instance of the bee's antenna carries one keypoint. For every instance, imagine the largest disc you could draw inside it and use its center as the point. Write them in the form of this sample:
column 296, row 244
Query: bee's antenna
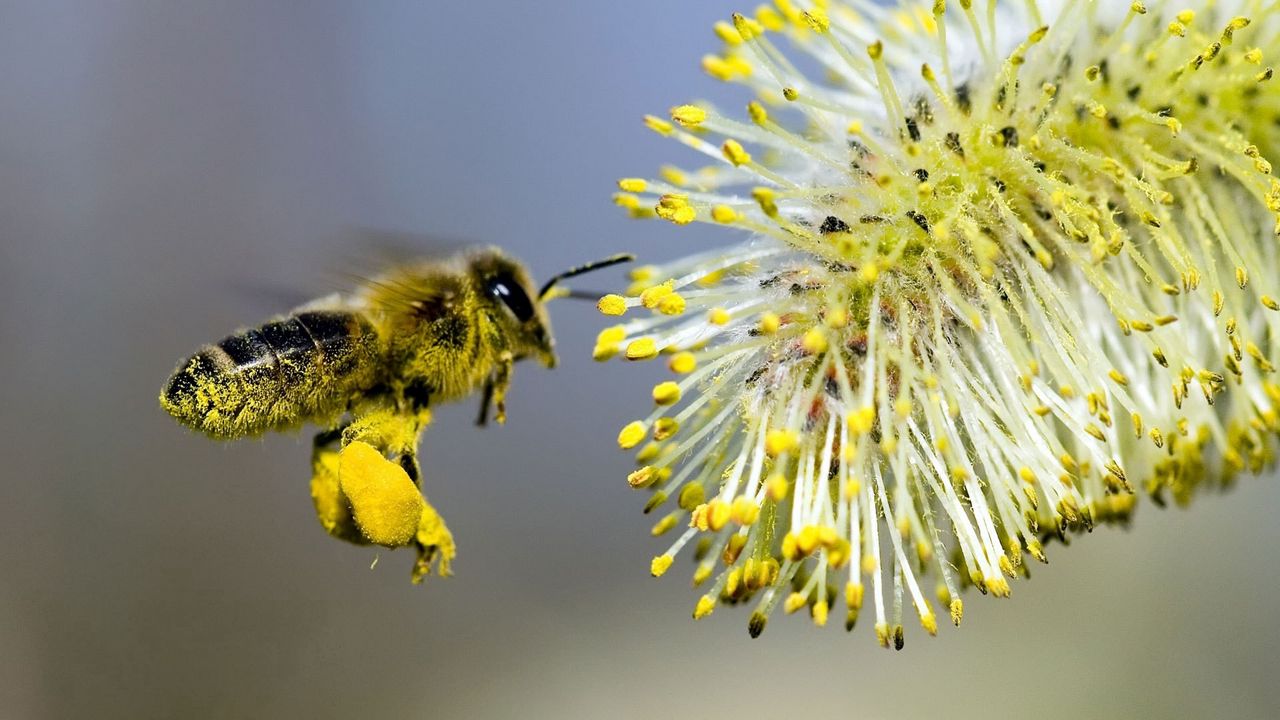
column 597, row 265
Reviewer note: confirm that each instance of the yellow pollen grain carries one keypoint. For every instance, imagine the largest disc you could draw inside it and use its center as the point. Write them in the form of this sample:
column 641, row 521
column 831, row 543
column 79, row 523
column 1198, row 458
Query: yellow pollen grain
column 612, row 305
column 642, row 349
column 688, row 115
column 660, row 565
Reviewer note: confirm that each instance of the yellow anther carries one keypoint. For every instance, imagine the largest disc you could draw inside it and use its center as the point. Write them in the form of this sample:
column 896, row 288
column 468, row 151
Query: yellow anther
column 612, row 305
column 649, row 452
column 902, row 406
column 675, row 208
column 794, row 602
column 791, row 94
column 862, row 420
column 1269, row 302
column 642, row 349
column 727, row 33
column 683, row 363
column 744, row 510
column 688, row 115
column 747, row 28
column 723, row 214
column 777, row 487
column 957, row 611
column 665, row 525
column 691, row 497
column 808, row 540
column 705, row 605
column 631, row 435
column 633, row 185
column 654, row 295
column 875, row 50
column 817, row 20
column 658, row 125
column 819, row 612
column 664, row 428
column 766, row 198
column 642, row 478
column 718, row 67
column 1242, row 277
column 718, row 513
column 836, row 317
column 853, row 595
column 673, row 175
column 734, row 152
column 814, row 341
column 757, row 113
column 718, row 316
column 666, row 393
column 1118, row 377
column 854, row 127
column 672, row 304
column 660, row 565
column 769, row 323
column 627, row 201
column 1254, row 56
column 929, row 622
column 778, row 442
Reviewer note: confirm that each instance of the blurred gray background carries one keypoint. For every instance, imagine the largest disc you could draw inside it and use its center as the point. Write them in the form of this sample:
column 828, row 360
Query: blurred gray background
column 158, row 157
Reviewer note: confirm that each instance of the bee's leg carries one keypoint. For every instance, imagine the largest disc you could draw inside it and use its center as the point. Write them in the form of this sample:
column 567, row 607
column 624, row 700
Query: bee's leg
column 486, row 399
column 332, row 509
column 501, row 381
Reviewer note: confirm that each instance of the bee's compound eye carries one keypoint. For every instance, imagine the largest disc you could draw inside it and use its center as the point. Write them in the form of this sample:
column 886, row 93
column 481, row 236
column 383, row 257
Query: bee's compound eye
column 506, row 289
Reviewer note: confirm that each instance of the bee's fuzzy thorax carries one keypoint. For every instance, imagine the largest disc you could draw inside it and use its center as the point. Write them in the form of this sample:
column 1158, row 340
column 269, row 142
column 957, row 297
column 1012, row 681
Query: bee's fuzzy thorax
column 1011, row 265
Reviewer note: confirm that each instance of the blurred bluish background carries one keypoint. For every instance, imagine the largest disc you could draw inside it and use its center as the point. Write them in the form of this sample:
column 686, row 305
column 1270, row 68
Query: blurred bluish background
column 158, row 157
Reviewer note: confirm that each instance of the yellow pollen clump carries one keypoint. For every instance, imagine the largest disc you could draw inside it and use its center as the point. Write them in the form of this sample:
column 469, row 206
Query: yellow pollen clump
column 778, row 442
column 666, row 393
column 385, row 503
column 660, row 565
column 612, row 305
column 735, row 153
column 631, row 435
column 683, row 362
column 642, row 349
column 688, row 115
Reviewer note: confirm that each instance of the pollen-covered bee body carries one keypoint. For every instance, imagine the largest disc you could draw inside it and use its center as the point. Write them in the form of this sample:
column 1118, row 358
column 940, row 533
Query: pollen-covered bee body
column 305, row 367
column 366, row 367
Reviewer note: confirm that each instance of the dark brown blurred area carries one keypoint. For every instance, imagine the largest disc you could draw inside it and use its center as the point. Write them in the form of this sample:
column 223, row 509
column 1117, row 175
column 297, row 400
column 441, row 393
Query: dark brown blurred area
column 158, row 157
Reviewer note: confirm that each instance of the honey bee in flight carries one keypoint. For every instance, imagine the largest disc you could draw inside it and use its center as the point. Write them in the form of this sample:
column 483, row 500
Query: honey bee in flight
column 367, row 367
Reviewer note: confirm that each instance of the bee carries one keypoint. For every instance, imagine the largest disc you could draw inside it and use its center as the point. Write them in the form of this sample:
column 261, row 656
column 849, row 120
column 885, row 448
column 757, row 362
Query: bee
column 367, row 367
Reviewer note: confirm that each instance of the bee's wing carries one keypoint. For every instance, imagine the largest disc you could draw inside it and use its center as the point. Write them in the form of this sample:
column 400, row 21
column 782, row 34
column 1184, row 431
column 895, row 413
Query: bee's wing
column 375, row 250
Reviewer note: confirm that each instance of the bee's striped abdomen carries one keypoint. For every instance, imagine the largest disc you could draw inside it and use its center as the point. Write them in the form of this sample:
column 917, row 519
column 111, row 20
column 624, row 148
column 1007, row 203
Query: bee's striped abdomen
column 304, row 367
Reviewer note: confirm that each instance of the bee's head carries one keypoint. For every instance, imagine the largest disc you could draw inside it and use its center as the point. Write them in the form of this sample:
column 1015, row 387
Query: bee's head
column 517, row 306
